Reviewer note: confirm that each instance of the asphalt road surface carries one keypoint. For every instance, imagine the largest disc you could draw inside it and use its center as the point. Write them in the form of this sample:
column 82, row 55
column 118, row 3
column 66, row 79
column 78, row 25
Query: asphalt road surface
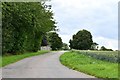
column 42, row 66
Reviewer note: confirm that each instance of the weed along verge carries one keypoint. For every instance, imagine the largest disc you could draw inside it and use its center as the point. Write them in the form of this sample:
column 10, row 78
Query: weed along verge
column 14, row 58
column 89, row 65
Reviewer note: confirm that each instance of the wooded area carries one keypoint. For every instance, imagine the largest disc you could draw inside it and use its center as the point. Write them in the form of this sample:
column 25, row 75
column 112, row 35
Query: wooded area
column 23, row 26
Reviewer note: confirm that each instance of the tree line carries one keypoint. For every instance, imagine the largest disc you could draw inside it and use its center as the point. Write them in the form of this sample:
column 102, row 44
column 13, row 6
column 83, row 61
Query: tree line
column 53, row 40
column 23, row 26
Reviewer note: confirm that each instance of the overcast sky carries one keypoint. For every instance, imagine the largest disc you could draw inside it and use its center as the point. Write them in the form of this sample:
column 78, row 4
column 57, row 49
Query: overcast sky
column 100, row 17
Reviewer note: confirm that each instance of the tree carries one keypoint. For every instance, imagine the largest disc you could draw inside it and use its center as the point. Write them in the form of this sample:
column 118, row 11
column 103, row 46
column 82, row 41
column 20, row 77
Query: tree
column 71, row 44
column 55, row 41
column 23, row 26
column 65, row 46
column 44, row 41
column 105, row 49
column 82, row 40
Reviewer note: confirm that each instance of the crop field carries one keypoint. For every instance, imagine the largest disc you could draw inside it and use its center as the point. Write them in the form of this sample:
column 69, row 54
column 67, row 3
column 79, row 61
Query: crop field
column 110, row 56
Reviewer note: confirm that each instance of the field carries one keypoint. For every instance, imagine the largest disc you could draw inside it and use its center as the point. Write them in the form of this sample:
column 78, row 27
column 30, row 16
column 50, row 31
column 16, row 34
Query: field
column 89, row 65
column 14, row 58
column 110, row 56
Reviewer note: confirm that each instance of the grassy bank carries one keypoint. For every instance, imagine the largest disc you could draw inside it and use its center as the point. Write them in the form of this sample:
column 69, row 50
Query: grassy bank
column 14, row 58
column 89, row 65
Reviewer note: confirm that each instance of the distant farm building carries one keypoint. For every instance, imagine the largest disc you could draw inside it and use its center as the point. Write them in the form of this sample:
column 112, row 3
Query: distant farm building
column 45, row 47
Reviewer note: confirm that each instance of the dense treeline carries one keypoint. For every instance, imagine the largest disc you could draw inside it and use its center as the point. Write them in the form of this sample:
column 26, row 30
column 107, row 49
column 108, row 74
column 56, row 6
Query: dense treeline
column 55, row 41
column 24, row 24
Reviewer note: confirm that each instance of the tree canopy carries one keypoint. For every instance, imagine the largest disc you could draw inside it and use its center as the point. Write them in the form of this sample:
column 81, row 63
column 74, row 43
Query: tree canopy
column 82, row 40
column 55, row 41
column 23, row 25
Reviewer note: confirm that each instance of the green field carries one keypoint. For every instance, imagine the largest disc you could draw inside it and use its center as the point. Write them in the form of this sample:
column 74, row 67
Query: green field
column 14, row 58
column 89, row 65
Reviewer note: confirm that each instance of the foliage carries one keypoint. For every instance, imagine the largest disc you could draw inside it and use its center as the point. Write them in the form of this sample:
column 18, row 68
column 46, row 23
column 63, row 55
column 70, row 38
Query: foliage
column 65, row 46
column 44, row 41
column 89, row 65
column 82, row 40
column 105, row 49
column 14, row 58
column 23, row 25
column 55, row 41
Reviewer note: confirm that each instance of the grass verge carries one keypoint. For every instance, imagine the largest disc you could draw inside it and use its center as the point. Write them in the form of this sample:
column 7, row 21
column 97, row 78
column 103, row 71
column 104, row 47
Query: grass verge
column 14, row 58
column 89, row 65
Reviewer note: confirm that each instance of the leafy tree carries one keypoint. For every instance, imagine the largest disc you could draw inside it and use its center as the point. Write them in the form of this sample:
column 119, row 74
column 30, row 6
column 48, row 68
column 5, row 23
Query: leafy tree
column 71, row 44
column 23, row 25
column 103, row 48
column 55, row 41
column 82, row 40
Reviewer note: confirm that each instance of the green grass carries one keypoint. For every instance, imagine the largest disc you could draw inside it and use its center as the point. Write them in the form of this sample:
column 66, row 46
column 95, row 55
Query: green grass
column 14, row 58
column 0, row 61
column 89, row 65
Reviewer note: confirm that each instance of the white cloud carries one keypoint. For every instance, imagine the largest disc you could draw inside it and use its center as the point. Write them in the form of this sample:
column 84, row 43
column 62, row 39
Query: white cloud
column 97, row 16
column 65, row 38
column 108, row 43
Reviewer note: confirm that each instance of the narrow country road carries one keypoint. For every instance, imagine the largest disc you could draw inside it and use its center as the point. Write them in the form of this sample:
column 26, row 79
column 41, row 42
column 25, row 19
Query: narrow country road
column 42, row 66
